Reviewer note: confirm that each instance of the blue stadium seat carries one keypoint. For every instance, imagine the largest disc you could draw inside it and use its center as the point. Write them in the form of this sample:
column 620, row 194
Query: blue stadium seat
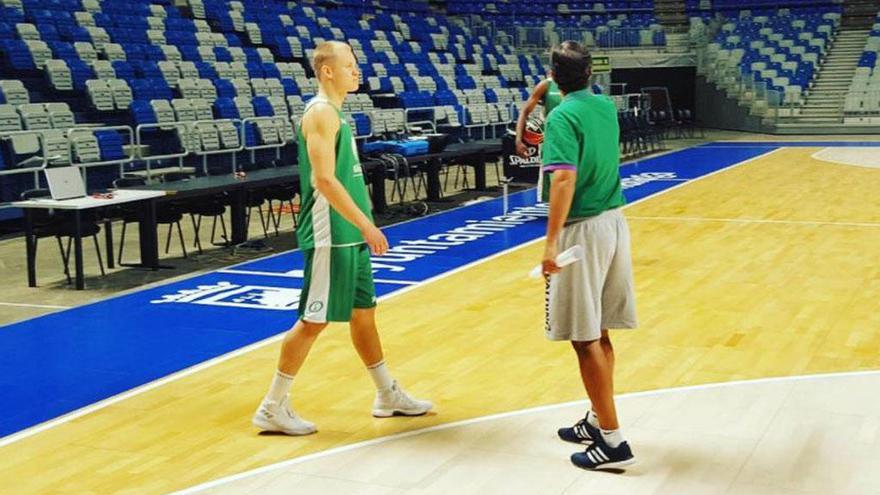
column 142, row 112
column 110, row 145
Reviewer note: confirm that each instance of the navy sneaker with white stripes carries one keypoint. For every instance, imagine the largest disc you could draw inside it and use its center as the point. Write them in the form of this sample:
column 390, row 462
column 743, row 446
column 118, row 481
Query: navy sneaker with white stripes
column 600, row 456
column 581, row 432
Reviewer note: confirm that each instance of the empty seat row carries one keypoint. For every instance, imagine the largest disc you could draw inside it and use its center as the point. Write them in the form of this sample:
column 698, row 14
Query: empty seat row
column 13, row 92
column 35, row 116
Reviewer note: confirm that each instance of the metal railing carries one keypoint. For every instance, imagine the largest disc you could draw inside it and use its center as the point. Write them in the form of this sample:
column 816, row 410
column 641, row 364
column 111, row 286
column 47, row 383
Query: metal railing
column 432, row 121
column 775, row 104
column 137, row 147
column 740, row 83
column 30, row 164
column 543, row 37
column 42, row 159
column 182, row 133
column 283, row 141
column 724, row 70
column 205, row 153
column 860, row 104
column 484, row 125
column 31, row 168
column 91, row 130
column 84, row 166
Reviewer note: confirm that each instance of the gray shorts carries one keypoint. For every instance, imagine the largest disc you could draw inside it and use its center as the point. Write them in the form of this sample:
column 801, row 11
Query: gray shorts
column 596, row 293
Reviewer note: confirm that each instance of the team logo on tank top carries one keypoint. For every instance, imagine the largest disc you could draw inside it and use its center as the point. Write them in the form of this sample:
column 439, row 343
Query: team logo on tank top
column 357, row 171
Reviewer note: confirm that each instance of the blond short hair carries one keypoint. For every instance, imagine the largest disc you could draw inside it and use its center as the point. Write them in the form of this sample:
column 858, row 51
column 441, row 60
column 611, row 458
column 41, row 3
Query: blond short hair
column 325, row 53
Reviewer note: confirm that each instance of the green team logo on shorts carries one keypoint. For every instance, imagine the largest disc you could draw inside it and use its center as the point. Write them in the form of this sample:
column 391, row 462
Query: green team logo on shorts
column 316, row 307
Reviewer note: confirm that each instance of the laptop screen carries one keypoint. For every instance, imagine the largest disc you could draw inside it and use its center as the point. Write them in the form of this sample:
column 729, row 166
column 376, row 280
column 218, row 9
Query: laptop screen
column 65, row 182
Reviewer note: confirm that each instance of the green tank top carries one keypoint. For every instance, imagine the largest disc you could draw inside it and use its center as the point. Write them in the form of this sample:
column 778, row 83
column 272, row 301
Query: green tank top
column 552, row 97
column 319, row 224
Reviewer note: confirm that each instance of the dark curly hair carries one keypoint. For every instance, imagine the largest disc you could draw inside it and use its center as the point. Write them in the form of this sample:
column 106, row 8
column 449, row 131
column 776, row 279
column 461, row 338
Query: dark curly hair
column 571, row 64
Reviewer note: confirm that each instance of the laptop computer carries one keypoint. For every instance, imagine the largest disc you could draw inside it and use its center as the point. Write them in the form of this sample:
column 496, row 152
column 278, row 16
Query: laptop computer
column 65, row 183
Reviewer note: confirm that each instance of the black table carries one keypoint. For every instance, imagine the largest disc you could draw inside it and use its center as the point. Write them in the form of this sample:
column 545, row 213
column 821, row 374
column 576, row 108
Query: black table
column 238, row 187
column 149, row 244
column 474, row 154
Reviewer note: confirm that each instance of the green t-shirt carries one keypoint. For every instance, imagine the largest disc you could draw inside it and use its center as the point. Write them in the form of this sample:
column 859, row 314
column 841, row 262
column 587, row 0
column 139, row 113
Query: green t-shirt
column 552, row 97
column 582, row 134
column 319, row 224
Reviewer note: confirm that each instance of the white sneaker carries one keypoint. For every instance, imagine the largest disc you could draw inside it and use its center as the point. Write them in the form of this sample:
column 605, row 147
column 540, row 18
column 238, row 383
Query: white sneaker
column 272, row 416
column 396, row 401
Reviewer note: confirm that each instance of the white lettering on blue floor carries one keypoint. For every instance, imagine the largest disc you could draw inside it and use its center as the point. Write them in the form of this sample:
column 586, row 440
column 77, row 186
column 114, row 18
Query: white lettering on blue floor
column 636, row 180
column 473, row 230
column 237, row 296
column 394, row 261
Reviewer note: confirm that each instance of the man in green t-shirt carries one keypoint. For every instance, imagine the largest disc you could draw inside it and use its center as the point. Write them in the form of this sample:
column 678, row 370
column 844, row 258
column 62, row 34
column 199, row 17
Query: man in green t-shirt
column 596, row 293
column 547, row 94
column 336, row 234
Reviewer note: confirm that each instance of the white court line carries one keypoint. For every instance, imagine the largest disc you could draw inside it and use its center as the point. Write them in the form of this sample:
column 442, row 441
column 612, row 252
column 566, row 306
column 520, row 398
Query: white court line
column 521, row 412
column 9, row 439
column 394, row 282
column 22, row 305
column 801, row 143
column 299, row 274
column 812, row 223
column 852, row 156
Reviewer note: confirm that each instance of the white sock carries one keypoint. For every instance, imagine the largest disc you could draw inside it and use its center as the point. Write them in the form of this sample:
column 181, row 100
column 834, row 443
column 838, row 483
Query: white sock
column 592, row 419
column 380, row 375
column 280, row 387
column 612, row 437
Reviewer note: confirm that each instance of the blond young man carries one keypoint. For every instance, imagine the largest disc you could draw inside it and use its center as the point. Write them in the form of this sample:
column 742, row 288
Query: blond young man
column 337, row 235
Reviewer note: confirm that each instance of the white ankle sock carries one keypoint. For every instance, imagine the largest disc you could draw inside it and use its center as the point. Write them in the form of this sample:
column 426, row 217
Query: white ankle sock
column 612, row 437
column 280, row 387
column 380, row 375
column 592, row 419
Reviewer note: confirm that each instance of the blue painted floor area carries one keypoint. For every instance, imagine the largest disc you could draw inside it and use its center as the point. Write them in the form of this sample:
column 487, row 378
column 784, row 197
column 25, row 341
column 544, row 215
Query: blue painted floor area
column 791, row 144
column 64, row 361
